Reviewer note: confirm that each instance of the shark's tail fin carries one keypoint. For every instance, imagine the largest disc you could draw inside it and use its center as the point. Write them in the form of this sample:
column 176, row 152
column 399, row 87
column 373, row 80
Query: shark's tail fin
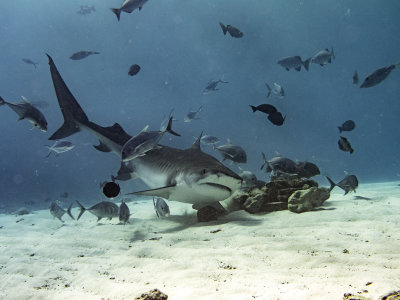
column 117, row 12
column 71, row 110
column 69, row 211
column 83, row 209
column 331, row 183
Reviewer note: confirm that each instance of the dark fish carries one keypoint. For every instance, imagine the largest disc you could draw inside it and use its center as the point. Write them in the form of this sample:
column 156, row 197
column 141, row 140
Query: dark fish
column 348, row 184
column 161, row 207
column 104, row 209
column 307, row 169
column 82, row 54
column 212, row 86
column 265, row 108
column 124, row 173
column 27, row 111
column 323, row 57
column 85, row 10
column 128, row 6
column 232, row 152
column 64, row 195
column 355, row 77
column 233, row 31
column 111, row 189
column 276, row 118
column 349, row 125
column 378, row 76
column 279, row 164
column 58, row 212
column 134, row 69
column 124, row 212
column 191, row 115
column 294, row 62
column 345, row 145
column 30, row 62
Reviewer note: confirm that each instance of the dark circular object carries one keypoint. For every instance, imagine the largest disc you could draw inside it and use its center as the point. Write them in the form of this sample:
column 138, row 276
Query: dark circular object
column 111, row 189
column 134, row 69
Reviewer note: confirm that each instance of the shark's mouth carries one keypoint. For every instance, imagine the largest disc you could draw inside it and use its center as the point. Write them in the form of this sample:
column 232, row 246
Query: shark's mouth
column 217, row 186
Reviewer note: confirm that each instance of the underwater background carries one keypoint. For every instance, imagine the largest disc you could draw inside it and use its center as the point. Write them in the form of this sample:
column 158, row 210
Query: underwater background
column 180, row 48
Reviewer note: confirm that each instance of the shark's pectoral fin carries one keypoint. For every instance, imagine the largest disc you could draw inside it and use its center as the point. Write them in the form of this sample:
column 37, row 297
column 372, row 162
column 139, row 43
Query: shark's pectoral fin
column 102, row 147
column 216, row 205
column 163, row 192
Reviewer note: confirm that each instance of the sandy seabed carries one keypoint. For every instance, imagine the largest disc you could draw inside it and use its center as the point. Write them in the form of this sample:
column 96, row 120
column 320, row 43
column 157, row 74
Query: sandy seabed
column 351, row 247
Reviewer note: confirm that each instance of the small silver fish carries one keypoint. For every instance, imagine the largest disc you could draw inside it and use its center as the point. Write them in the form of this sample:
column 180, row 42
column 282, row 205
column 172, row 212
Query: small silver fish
column 58, row 212
column 60, row 147
column 277, row 90
column 124, row 212
column 191, row 115
column 323, row 57
column 161, row 207
column 294, row 62
column 128, row 6
column 104, row 209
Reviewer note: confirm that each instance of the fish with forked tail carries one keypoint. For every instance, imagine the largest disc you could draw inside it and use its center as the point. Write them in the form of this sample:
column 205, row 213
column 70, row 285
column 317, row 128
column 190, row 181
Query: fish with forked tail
column 348, row 184
column 232, row 30
column 104, row 209
column 128, row 6
column 58, row 212
column 25, row 110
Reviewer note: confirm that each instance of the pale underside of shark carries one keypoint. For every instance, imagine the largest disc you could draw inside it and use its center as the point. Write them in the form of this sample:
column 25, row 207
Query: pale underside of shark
column 188, row 175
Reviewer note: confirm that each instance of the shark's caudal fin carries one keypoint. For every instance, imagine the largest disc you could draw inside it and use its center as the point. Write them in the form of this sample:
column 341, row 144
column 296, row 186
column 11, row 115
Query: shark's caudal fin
column 70, row 108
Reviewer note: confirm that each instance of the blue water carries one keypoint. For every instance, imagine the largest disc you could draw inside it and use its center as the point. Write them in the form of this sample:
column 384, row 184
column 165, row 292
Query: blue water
column 180, row 47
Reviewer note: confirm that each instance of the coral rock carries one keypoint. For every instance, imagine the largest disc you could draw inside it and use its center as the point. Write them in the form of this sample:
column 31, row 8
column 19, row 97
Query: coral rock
column 306, row 200
column 153, row 295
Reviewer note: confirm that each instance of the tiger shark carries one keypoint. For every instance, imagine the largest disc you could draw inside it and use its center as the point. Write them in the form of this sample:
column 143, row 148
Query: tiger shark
column 184, row 175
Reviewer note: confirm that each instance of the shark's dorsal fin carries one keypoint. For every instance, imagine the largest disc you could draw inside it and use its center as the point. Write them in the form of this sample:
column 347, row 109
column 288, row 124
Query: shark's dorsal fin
column 196, row 144
column 25, row 99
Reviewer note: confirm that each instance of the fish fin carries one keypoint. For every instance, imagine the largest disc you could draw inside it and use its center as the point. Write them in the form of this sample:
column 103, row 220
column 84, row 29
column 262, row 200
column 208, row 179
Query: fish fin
column 306, row 63
column 70, row 108
column 264, row 159
column 340, row 129
column 351, row 151
column 333, row 53
column 33, row 127
column 117, row 12
column 224, row 29
column 253, row 108
column 2, row 101
column 83, row 209
column 163, row 192
column 69, row 211
column 102, row 147
column 269, row 89
column 145, row 128
column 25, row 99
column 169, row 127
column 196, row 144
column 331, row 183
column 298, row 69
column 99, row 218
column 140, row 8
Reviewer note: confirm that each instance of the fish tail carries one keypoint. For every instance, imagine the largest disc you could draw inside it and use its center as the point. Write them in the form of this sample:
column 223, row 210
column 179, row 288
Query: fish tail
column 2, row 101
column 69, row 211
column 306, row 63
column 333, row 53
column 224, row 29
column 265, row 162
column 253, row 108
column 117, row 12
column 269, row 89
column 340, row 129
column 351, row 150
column 169, row 127
column 331, row 183
column 83, row 209
column 72, row 111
